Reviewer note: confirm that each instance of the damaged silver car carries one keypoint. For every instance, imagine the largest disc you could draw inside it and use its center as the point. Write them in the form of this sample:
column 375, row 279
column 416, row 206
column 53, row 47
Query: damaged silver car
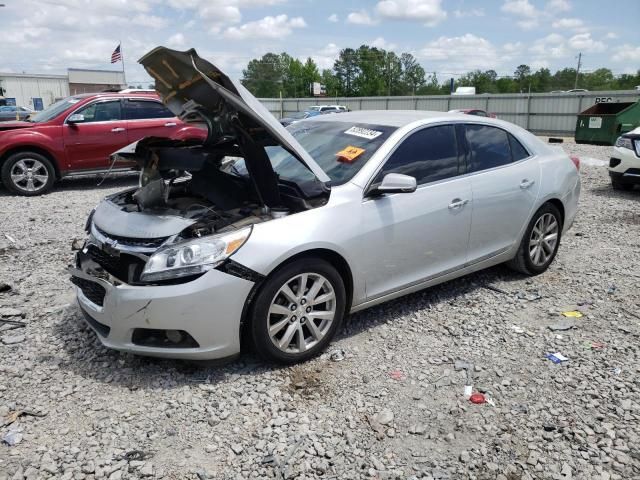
column 270, row 235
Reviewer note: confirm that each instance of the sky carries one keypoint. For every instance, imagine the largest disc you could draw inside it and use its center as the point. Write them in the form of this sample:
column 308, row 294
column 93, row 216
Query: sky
column 449, row 37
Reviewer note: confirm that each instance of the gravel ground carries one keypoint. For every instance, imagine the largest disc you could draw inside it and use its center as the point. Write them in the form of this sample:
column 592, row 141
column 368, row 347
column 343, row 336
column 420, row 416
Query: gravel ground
column 387, row 401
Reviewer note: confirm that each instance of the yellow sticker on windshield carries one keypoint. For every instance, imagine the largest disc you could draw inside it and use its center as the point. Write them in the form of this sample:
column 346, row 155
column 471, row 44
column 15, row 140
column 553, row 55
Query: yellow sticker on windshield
column 349, row 154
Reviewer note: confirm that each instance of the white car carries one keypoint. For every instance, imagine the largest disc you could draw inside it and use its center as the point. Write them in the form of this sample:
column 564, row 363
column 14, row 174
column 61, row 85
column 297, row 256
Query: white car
column 624, row 164
column 329, row 108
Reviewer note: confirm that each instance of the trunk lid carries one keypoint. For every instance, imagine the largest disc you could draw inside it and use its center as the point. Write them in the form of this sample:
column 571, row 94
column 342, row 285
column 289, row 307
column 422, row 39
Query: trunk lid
column 195, row 89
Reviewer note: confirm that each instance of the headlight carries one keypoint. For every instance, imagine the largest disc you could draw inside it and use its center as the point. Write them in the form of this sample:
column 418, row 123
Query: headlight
column 624, row 142
column 193, row 256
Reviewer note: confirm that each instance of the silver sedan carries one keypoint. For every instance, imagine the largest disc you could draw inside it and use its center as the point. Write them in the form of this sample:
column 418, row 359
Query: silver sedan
column 274, row 235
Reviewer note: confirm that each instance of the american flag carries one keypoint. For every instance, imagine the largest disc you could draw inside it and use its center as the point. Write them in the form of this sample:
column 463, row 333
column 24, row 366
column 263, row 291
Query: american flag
column 116, row 56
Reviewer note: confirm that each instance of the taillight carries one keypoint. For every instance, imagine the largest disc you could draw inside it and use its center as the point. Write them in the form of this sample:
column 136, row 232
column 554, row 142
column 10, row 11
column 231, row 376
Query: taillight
column 576, row 161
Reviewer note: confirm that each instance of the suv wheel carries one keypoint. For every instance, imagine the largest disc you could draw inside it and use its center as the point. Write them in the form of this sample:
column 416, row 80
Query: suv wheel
column 298, row 311
column 28, row 173
column 540, row 242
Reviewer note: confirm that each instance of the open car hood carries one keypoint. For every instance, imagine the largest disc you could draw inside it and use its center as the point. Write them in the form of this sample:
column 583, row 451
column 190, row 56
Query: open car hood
column 196, row 90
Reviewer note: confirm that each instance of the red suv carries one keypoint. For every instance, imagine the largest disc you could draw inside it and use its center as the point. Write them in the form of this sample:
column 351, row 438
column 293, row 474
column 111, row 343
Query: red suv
column 78, row 134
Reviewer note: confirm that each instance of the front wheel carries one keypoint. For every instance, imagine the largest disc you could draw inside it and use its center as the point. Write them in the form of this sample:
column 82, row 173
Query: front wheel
column 298, row 311
column 28, row 173
column 540, row 242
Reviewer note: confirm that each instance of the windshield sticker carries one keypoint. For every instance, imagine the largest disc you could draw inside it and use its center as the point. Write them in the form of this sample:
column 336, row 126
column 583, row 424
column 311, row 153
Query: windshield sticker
column 363, row 132
column 349, row 153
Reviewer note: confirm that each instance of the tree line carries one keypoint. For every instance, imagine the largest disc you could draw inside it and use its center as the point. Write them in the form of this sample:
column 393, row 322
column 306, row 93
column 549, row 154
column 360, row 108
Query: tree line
column 370, row 71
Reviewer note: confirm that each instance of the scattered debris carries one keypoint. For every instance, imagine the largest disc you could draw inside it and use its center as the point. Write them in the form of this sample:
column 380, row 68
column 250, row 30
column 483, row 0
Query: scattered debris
column 13, row 416
column 611, row 290
column 5, row 287
column 557, row 357
column 337, row 355
column 384, row 417
column 562, row 326
column 477, row 398
column 616, row 370
column 572, row 314
column 496, row 289
column 517, row 329
column 77, row 244
column 12, row 438
column 397, row 375
column 468, row 390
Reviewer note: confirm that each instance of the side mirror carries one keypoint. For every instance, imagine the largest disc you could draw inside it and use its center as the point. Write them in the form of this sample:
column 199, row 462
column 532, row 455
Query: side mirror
column 395, row 183
column 75, row 118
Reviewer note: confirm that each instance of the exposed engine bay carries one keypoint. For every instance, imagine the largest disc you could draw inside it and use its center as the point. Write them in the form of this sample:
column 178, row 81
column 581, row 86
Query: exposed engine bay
column 206, row 186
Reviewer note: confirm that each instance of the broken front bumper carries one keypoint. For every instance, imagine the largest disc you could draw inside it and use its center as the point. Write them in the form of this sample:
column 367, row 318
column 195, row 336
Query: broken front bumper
column 128, row 317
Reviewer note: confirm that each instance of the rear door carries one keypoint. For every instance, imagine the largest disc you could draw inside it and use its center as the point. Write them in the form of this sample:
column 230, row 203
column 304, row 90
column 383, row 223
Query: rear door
column 90, row 142
column 148, row 117
column 505, row 180
column 411, row 237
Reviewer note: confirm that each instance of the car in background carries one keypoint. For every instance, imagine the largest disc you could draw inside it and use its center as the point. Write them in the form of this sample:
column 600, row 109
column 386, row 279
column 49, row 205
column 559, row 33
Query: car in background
column 296, row 117
column 624, row 164
column 77, row 136
column 577, row 90
column 13, row 112
column 329, row 108
column 474, row 111
column 275, row 234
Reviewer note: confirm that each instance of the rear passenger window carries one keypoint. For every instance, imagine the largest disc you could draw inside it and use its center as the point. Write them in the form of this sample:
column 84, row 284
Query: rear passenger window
column 428, row 155
column 488, row 147
column 517, row 150
column 146, row 109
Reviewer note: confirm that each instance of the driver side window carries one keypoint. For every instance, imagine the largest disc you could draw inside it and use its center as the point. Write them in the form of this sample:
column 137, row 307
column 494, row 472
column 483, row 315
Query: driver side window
column 428, row 155
column 101, row 112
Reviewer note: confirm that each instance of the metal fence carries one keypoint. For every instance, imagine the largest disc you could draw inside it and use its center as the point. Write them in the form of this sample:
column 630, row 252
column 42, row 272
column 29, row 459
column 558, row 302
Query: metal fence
column 543, row 113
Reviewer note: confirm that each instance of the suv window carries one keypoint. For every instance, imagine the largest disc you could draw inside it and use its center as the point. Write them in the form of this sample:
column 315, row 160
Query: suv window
column 142, row 109
column 488, row 147
column 101, row 112
column 428, row 155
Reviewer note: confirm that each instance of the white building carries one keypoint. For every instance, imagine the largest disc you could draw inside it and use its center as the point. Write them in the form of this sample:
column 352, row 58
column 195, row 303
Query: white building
column 38, row 91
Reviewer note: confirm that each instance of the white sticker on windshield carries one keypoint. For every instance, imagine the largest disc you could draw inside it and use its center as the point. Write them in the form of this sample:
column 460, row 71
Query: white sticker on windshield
column 363, row 132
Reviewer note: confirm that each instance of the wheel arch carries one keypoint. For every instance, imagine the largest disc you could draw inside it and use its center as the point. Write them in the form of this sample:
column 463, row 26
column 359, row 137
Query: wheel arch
column 556, row 202
column 36, row 149
column 331, row 256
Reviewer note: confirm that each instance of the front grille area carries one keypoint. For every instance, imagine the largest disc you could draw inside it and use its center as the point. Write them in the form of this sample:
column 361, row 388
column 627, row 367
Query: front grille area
column 123, row 266
column 93, row 291
column 134, row 242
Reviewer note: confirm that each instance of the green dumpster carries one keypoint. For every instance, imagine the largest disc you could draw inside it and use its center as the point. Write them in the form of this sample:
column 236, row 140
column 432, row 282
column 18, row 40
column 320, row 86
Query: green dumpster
column 603, row 123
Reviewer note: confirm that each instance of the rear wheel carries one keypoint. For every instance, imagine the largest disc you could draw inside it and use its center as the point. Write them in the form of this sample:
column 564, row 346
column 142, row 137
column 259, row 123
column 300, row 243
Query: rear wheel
column 298, row 311
column 540, row 242
column 28, row 173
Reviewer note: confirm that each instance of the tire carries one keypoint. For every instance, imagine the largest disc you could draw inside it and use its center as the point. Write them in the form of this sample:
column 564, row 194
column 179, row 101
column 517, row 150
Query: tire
column 273, row 308
column 625, row 187
column 527, row 259
column 28, row 174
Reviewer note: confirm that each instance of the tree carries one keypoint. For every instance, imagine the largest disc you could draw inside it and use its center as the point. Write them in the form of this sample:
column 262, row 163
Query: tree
column 413, row 75
column 264, row 77
column 346, row 70
column 521, row 76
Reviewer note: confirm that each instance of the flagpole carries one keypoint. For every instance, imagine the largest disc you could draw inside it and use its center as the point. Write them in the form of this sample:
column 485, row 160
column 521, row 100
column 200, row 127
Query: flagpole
column 124, row 77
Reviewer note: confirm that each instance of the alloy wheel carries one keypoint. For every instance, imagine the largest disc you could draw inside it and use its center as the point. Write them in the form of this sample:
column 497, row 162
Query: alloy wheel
column 301, row 312
column 29, row 175
column 543, row 240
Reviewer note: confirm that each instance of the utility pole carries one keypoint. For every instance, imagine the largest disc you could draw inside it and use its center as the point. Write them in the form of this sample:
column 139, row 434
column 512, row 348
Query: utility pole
column 575, row 85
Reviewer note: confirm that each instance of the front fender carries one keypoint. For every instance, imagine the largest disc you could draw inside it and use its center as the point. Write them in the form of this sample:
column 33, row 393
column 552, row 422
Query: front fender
column 24, row 139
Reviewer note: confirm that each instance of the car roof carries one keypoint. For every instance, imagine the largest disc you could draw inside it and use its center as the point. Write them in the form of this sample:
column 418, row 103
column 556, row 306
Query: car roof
column 116, row 94
column 391, row 118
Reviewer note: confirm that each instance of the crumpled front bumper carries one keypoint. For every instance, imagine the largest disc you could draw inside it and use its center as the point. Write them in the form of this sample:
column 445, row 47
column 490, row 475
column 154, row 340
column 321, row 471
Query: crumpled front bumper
column 209, row 308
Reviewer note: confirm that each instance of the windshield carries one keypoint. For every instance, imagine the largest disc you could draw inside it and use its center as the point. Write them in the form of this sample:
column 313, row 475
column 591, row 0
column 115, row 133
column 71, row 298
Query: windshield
column 53, row 110
column 299, row 115
column 339, row 148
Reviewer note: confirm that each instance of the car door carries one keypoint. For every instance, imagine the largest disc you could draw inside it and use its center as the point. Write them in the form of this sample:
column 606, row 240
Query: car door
column 411, row 237
column 505, row 180
column 148, row 117
column 89, row 140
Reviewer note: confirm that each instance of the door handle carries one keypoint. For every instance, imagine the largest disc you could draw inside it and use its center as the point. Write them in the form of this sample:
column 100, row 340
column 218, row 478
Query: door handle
column 117, row 129
column 170, row 124
column 457, row 203
column 526, row 183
